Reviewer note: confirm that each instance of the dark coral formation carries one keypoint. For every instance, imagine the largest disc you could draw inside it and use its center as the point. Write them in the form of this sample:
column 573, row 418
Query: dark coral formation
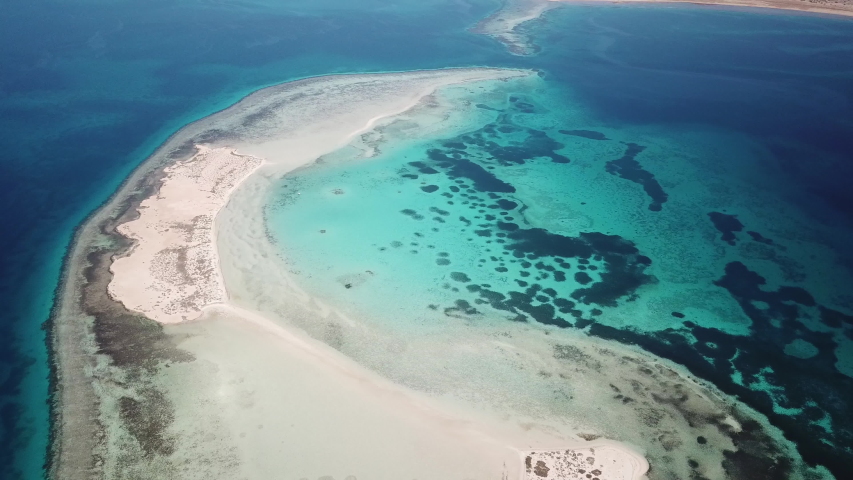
column 597, row 271
column 727, row 225
column 629, row 168
column 590, row 134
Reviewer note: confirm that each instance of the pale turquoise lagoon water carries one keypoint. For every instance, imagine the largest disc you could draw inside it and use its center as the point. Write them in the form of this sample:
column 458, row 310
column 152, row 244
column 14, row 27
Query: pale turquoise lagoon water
column 738, row 113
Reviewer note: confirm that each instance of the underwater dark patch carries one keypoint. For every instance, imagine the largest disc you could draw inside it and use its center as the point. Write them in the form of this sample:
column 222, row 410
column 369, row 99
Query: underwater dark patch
column 759, row 238
column 629, row 168
column 483, row 180
column 505, row 204
column 727, row 225
column 583, row 278
column 412, row 214
column 716, row 356
column 423, row 168
column 590, row 134
column 460, row 277
column 461, row 308
column 486, row 107
column 537, row 144
column 812, row 387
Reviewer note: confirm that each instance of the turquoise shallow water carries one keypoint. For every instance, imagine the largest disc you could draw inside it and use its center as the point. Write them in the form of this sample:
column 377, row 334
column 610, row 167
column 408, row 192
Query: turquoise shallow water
column 673, row 184
column 739, row 113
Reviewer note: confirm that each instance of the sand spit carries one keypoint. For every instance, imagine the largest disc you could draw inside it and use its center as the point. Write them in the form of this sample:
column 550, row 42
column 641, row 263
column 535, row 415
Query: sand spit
column 503, row 24
column 172, row 271
column 171, row 274
column 112, row 413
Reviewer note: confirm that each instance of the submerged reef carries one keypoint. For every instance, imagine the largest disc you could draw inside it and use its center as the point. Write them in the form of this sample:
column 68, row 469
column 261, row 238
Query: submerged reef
column 785, row 367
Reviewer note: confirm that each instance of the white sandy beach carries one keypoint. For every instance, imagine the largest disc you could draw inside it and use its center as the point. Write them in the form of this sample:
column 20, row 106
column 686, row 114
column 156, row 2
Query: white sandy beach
column 171, row 274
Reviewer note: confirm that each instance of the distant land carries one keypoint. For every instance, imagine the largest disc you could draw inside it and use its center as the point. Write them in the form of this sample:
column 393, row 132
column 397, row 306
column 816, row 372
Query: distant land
column 502, row 25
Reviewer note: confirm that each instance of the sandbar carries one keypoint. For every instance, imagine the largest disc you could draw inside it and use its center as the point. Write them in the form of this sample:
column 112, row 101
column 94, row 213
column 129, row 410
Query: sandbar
column 145, row 337
column 171, row 275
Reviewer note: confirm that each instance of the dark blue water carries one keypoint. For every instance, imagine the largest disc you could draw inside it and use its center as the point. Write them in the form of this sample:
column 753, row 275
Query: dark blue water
column 88, row 90
column 773, row 76
column 786, row 81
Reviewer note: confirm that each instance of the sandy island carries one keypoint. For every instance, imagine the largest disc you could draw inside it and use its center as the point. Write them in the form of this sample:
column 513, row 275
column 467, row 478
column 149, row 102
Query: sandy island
column 183, row 348
column 136, row 399
column 503, row 24
column 171, row 273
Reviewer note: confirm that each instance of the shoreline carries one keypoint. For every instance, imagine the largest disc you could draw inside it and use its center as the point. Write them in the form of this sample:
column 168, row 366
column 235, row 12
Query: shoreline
column 502, row 25
column 72, row 346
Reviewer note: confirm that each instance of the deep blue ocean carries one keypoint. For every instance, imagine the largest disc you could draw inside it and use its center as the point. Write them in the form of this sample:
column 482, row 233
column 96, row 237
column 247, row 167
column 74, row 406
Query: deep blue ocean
column 89, row 89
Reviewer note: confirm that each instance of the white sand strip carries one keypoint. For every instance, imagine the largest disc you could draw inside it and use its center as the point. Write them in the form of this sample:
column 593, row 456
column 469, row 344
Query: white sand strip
column 172, row 273
column 293, row 408
column 502, row 25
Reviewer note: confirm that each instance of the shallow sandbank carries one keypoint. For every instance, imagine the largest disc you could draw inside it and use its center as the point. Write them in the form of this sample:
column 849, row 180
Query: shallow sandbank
column 345, row 420
column 503, row 24
column 112, row 412
column 170, row 274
